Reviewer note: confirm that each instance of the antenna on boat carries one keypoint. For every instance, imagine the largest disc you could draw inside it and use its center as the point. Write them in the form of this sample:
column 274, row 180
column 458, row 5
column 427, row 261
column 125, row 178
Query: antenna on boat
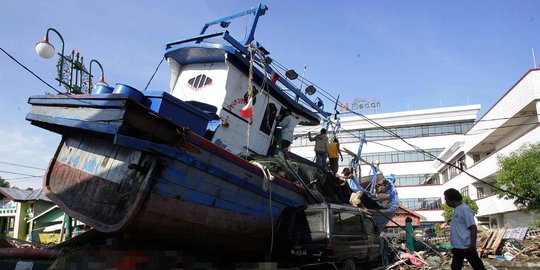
column 338, row 124
column 302, row 81
column 534, row 58
column 335, row 108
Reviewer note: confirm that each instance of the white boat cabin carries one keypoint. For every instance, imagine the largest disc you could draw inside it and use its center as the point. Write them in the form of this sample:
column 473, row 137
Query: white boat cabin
column 225, row 86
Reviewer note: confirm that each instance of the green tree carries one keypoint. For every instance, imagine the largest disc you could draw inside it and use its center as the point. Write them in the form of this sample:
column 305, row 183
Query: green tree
column 449, row 211
column 520, row 174
column 4, row 182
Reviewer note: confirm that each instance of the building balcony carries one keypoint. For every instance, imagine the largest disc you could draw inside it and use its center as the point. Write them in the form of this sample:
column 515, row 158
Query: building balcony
column 492, row 205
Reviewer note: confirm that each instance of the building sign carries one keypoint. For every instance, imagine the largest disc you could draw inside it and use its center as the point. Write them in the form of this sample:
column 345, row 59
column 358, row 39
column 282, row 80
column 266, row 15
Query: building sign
column 361, row 104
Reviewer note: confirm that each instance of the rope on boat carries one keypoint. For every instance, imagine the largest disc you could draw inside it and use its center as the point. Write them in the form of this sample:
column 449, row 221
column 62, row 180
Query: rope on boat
column 155, row 71
column 250, row 95
column 268, row 178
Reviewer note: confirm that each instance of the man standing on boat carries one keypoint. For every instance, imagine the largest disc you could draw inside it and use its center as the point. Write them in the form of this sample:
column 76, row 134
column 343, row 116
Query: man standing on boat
column 321, row 147
column 288, row 123
column 463, row 232
column 333, row 151
column 354, row 185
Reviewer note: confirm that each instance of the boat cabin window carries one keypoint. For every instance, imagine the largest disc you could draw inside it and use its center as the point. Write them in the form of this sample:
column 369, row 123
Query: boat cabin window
column 347, row 223
column 269, row 118
column 199, row 82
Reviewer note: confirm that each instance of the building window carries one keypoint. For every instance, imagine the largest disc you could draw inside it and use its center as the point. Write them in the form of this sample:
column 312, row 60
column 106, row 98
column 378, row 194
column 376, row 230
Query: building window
column 403, row 156
column 199, row 82
column 483, row 220
column 418, row 131
column 465, row 191
column 404, row 132
column 416, row 179
column 431, row 203
column 480, row 192
column 461, row 163
column 454, row 169
column 444, row 176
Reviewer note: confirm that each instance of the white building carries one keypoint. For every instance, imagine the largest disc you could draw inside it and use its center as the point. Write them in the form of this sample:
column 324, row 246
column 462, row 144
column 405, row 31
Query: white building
column 453, row 135
column 431, row 130
column 512, row 122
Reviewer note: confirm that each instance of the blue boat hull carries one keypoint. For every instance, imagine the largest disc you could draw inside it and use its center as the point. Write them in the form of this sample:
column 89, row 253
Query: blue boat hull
column 170, row 187
column 121, row 167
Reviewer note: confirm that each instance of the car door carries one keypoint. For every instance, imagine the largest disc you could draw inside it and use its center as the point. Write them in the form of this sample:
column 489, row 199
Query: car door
column 374, row 241
column 348, row 236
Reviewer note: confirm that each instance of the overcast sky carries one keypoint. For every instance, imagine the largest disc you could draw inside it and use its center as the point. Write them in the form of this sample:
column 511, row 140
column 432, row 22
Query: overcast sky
column 407, row 54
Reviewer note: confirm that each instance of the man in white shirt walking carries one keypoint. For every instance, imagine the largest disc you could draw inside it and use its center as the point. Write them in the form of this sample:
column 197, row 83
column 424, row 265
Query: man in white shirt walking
column 463, row 232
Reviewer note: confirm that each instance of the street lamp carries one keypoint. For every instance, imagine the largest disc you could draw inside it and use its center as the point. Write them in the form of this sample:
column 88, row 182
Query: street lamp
column 74, row 75
column 101, row 78
column 46, row 50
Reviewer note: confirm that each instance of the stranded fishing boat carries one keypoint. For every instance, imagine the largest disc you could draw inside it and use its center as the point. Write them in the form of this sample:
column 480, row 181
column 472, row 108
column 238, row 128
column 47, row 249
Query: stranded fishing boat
column 194, row 165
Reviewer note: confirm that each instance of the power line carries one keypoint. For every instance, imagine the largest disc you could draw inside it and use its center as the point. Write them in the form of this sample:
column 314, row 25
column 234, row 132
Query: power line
column 509, row 126
column 438, row 159
column 23, row 174
column 505, row 118
column 67, row 94
column 31, row 72
column 394, row 134
column 20, row 179
column 418, row 149
column 19, row 165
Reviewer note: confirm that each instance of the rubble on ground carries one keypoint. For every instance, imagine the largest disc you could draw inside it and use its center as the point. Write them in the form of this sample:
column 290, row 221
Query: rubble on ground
column 504, row 248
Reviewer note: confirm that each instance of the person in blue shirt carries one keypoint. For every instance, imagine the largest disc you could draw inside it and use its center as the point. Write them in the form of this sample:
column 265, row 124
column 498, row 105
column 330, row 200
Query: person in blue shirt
column 463, row 232
column 354, row 185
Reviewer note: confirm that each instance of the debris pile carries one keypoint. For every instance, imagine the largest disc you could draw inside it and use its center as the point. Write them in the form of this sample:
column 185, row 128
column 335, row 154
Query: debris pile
column 511, row 244
column 519, row 247
column 434, row 257
column 8, row 242
column 522, row 249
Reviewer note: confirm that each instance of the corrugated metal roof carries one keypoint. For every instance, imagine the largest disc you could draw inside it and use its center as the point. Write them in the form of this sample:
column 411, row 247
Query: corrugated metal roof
column 24, row 195
column 37, row 194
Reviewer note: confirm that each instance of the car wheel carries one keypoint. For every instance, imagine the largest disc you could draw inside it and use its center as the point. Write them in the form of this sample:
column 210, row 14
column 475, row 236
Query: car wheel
column 348, row 264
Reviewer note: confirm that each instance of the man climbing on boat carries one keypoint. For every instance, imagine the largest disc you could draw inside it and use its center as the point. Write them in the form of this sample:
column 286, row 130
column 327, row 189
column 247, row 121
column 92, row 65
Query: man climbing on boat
column 288, row 123
column 354, row 185
column 333, row 152
column 321, row 147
